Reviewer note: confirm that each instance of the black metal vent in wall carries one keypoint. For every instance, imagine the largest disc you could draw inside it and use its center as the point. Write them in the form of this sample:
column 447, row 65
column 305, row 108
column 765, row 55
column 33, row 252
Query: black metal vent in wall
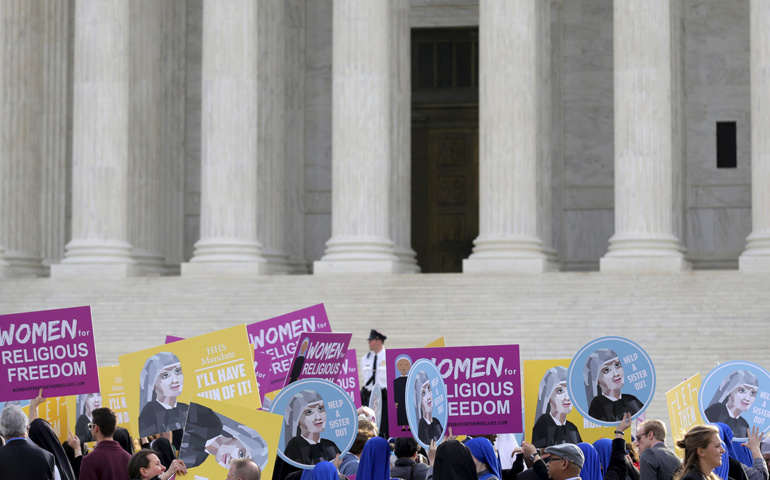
column 727, row 145
column 445, row 60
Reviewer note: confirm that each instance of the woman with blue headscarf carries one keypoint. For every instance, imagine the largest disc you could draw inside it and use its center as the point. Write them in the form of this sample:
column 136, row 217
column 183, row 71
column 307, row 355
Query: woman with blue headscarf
column 592, row 469
column 736, row 469
column 484, row 456
column 375, row 460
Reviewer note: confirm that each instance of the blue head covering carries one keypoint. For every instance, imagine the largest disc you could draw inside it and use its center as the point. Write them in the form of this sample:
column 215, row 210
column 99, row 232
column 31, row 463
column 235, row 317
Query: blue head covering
column 742, row 453
column 603, row 448
column 375, row 460
column 307, row 474
column 323, row 471
column 482, row 449
column 592, row 469
column 726, row 436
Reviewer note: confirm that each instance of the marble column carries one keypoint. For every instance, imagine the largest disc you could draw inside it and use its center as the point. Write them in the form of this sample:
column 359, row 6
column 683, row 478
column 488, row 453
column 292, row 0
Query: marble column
column 228, row 242
column 145, row 103
column 271, row 167
column 56, row 141
column 361, row 160
column 99, row 244
column 21, row 57
column 401, row 137
column 172, row 131
column 756, row 257
column 296, row 21
column 511, row 87
column 644, row 239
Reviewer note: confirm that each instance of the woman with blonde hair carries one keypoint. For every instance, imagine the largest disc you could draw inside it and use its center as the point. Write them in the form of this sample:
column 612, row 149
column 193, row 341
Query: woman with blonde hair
column 702, row 453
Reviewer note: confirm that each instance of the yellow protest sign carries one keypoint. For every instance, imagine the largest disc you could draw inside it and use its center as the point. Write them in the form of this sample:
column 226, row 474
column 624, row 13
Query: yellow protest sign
column 54, row 411
column 111, row 394
column 439, row 342
column 549, row 416
column 217, row 433
column 683, row 411
column 160, row 381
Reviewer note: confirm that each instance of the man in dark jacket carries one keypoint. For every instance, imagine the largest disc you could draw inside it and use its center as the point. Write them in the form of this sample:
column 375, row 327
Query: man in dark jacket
column 406, row 467
column 18, row 457
column 108, row 460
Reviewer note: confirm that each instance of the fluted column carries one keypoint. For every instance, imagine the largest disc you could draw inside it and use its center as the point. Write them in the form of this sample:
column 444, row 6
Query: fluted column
column 145, row 100
column 756, row 257
column 361, row 160
column 228, row 243
column 511, row 83
column 401, row 137
column 21, row 58
column 99, row 244
column 56, row 141
column 644, row 238
column 296, row 21
column 172, row 131
column 271, row 168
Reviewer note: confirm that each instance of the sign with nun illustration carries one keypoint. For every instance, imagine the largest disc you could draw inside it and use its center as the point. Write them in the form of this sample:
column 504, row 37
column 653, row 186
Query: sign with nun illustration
column 319, row 422
column 483, row 387
column 375, row 403
column 318, row 355
column 159, row 381
column 111, row 394
column 608, row 377
column 348, row 377
column 550, row 418
column 53, row 350
column 426, row 402
column 737, row 394
column 683, row 409
column 278, row 337
column 216, row 433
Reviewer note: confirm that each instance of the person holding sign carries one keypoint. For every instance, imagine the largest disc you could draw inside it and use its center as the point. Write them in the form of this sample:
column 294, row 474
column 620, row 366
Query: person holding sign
column 429, row 428
column 702, row 453
column 735, row 395
column 299, row 361
column 603, row 377
column 553, row 406
column 162, row 382
column 304, row 421
column 145, row 465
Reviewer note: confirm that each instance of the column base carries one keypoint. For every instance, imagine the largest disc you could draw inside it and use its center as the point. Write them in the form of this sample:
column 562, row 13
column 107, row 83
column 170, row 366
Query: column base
column 512, row 254
column 278, row 261
column 5, row 268
column 89, row 258
column 299, row 266
column 407, row 260
column 225, row 269
column 152, row 263
column 25, row 265
column 98, row 270
column 509, row 265
column 636, row 254
column 756, row 257
column 357, row 255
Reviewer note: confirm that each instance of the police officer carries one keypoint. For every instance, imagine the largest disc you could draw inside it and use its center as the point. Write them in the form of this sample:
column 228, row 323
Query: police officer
column 374, row 369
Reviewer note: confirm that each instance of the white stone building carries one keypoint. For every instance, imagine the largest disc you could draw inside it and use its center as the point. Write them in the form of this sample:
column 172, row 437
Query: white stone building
column 222, row 144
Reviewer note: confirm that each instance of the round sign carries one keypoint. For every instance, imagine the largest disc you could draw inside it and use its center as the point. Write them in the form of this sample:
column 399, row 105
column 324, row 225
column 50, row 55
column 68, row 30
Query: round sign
column 426, row 403
column 736, row 394
column 375, row 403
column 608, row 377
column 319, row 422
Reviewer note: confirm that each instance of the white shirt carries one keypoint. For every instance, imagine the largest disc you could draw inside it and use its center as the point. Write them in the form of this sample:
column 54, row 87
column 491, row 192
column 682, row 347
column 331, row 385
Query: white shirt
column 366, row 365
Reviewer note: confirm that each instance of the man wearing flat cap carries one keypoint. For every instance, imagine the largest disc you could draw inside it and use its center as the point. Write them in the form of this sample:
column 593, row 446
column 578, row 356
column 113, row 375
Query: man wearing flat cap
column 374, row 371
column 565, row 461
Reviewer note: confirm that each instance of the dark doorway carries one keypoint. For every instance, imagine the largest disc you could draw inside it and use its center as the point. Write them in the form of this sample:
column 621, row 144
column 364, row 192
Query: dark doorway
column 445, row 132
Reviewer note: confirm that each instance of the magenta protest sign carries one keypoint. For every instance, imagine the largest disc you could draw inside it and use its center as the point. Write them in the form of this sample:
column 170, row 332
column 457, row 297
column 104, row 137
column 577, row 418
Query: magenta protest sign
column 483, row 387
column 319, row 355
column 264, row 374
column 172, row 339
column 278, row 338
column 53, row 350
column 348, row 377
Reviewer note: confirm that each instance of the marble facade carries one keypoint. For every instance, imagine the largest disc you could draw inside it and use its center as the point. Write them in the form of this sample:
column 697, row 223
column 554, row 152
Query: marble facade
column 197, row 184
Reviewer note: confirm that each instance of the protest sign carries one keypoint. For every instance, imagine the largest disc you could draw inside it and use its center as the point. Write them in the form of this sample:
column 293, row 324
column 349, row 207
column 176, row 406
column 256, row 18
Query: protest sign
column 483, row 387
column 217, row 365
column 550, row 418
column 263, row 372
column 736, row 394
column 319, row 355
column 439, row 342
column 608, row 377
column 426, row 403
column 683, row 411
column 172, row 339
column 278, row 338
column 348, row 377
column 217, row 433
column 53, row 350
column 53, row 411
column 308, row 407
column 111, row 394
